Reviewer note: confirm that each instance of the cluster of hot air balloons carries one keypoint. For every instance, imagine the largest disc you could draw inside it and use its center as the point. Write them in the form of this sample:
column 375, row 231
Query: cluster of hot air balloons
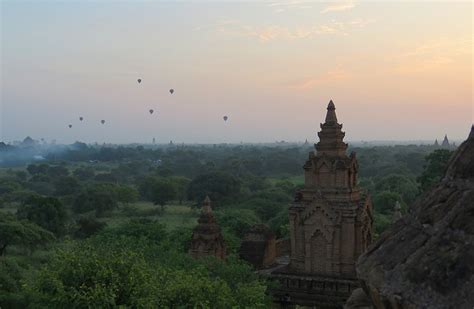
column 82, row 119
column 151, row 111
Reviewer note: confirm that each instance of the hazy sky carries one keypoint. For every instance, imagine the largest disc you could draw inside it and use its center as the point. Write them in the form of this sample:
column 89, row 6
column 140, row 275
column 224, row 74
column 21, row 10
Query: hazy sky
column 395, row 70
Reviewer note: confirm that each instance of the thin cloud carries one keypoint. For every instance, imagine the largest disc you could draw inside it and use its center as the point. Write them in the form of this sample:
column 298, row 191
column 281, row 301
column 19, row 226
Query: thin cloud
column 282, row 6
column 219, row 23
column 329, row 77
column 273, row 32
column 337, row 7
column 432, row 55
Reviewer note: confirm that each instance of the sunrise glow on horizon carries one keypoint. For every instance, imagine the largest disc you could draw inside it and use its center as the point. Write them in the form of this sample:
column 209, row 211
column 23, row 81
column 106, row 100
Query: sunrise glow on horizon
column 395, row 70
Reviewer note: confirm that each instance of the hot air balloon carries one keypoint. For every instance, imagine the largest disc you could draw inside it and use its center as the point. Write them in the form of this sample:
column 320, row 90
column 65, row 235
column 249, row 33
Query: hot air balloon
column 139, row 80
column 102, row 121
column 81, row 118
column 171, row 91
column 225, row 118
column 70, row 126
column 151, row 111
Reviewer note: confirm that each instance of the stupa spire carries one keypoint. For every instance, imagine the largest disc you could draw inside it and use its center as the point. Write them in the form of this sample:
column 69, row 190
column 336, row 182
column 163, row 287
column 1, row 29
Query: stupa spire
column 207, row 239
column 397, row 212
column 331, row 137
column 445, row 141
column 206, row 205
column 331, row 113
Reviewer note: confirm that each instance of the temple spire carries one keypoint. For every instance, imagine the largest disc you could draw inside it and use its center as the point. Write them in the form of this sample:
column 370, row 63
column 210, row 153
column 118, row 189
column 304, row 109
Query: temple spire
column 445, row 141
column 331, row 137
column 331, row 114
column 206, row 205
column 207, row 239
column 397, row 212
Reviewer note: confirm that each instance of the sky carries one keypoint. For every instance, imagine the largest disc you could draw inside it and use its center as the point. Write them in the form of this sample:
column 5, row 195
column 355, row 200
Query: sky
column 396, row 70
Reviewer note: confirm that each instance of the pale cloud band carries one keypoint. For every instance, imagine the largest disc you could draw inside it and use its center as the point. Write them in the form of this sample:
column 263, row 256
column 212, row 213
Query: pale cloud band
column 339, row 6
column 331, row 76
column 275, row 32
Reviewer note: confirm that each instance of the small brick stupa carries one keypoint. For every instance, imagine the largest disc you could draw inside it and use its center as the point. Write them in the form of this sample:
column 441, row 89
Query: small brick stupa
column 207, row 239
column 259, row 247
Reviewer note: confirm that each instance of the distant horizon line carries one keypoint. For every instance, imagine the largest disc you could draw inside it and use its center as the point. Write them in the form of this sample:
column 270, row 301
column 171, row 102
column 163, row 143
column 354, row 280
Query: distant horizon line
column 378, row 141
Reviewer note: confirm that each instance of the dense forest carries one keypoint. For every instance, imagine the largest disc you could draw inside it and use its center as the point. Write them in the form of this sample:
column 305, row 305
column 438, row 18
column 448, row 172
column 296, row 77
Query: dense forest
column 104, row 226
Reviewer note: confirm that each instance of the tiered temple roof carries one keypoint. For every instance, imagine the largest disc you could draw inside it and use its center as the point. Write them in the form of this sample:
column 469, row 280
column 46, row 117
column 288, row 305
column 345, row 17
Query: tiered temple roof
column 330, row 225
column 207, row 239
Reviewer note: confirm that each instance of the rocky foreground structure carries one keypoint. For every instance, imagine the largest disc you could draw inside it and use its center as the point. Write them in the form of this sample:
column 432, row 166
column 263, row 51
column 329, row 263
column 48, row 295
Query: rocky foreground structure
column 426, row 259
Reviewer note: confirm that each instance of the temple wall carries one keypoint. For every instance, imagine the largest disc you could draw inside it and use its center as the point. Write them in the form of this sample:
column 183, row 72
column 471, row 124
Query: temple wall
column 282, row 247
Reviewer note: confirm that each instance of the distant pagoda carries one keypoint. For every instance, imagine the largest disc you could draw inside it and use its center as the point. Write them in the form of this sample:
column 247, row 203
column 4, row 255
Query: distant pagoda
column 330, row 225
column 436, row 144
column 445, row 143
column 397, row 212
column 207, row 239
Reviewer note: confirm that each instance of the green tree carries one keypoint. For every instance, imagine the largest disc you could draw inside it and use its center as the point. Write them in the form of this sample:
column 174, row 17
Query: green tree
column 280, row 225
column 88, row 226
column 436, row 163
column 152, row 231
column 181, row 184
column 84, row 173
column 66, row 185
column 126, row 194
column 11, row 277
column 124, row 272
column 47, row 212
column 163, row 192
column 381, row 223
column 158, row 190
column 96, row 198
column 8, row 186
column 14, row 232
column 264, row 208
column 34, row 169
column 217, row 185
column 286, row 186
column 384, row 202
column 57, row 171
column 404, row 185
column 89, row 276
column 238, row 221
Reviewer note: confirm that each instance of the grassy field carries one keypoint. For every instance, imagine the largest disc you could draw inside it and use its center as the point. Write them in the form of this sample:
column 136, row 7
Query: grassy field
column 296, row 180
column 173, row 216
column 8, row 208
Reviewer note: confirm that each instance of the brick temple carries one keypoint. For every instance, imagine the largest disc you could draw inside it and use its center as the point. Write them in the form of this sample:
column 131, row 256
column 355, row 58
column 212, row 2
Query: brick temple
column 207, row 238
column 259, row 247
column 330, row 226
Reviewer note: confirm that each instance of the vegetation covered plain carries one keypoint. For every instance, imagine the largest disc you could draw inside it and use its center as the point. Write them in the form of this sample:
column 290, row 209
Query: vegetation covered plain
column 108, row 226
